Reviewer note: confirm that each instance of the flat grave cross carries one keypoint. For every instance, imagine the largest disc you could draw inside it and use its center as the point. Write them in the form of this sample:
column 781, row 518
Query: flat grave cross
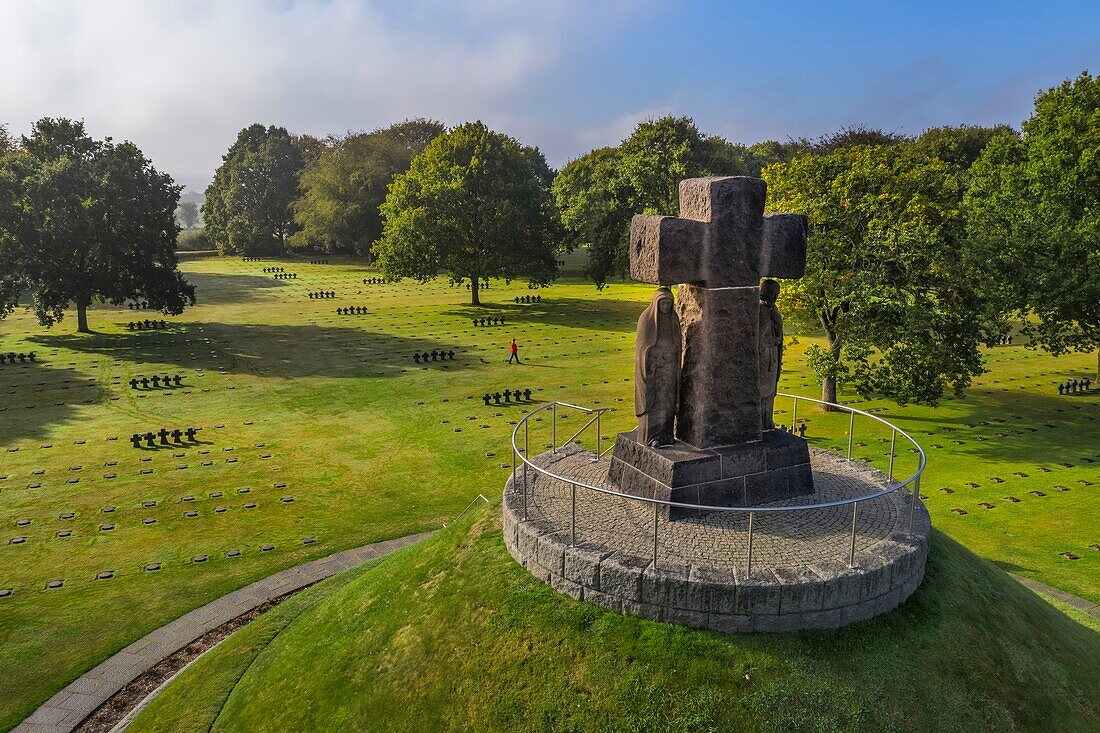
column 717, row 251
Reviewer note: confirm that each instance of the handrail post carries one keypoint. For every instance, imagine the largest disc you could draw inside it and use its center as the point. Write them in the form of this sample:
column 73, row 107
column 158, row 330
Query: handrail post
column 526, row 458
column 913, row 506
column 598, row 416
column 852, row 552
column 554, row 428
column 851, row 431
column 513, row 466
column 655, row 536
column 573, row 522
column 893, row 446
column 794, row 414
column 748, row 564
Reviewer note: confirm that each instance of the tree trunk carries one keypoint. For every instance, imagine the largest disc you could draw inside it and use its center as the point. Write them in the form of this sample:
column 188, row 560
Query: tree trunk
column 474, row 283
column 1098, row 365
column 82, row 317
column 828, row 385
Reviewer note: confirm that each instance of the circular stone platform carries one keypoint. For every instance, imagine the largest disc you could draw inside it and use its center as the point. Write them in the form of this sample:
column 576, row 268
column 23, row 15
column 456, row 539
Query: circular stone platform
column 800, row 576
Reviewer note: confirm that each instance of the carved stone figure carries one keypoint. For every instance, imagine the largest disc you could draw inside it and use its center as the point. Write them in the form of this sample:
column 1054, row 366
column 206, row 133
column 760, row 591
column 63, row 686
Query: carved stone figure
column 657, row 371
column 770, row 351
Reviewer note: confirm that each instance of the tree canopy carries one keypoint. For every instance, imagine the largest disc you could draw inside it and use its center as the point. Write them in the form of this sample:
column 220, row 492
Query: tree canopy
column 599, row 192
column 247, row 208
column 343, row 189
column 1034, row 208
column 474, row 204
column 90, row 220
column 888, row 277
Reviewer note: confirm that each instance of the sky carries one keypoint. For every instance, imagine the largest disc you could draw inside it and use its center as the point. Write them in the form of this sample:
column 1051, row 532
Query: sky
column 179, row 79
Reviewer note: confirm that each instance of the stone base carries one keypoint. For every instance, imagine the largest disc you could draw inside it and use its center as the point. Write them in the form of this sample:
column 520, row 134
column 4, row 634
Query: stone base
column 748, row 474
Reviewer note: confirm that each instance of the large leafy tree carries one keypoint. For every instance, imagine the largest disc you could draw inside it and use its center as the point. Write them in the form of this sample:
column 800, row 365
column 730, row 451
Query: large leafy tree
column 475, row 204
column 343, row 189
column 247, row 208
column 599, row 192
column 888, row 276
column 11, row 260
column 94, row 221
column 1034, row 210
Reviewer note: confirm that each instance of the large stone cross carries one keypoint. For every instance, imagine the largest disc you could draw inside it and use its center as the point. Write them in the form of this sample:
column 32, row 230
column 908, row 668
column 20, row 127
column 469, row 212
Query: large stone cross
column 717, row 250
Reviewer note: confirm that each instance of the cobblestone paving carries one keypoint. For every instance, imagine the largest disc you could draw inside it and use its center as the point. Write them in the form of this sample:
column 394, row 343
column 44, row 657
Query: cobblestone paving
column 790, row 539
column 65, row 710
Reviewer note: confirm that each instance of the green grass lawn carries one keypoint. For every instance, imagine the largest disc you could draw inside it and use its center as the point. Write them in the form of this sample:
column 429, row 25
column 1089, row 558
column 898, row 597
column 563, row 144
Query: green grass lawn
column 454, row 635
column 332, row 411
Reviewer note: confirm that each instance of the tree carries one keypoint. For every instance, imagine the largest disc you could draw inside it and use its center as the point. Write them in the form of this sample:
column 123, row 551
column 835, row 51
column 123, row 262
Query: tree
column 1034, row 211
column 96, row 222
column 247, row 208
column 960, row 145
column 188, row 214
column 594, row 200
column 11, row 259
column 598, row 193
column 888, row 278
column 343, row 189
column 475, row 204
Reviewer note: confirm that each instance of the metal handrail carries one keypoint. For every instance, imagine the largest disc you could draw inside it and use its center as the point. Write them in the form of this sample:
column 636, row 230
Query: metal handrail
column 913, row 479
column 472, row 502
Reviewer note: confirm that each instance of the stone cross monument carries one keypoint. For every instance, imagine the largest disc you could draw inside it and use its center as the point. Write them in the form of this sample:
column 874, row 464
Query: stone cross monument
column 717, row 251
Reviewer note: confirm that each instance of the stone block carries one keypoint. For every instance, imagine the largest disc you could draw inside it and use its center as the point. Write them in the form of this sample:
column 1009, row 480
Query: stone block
column 888, row 601
column 642, row 610
column 666, row 250
column 783, row 254
column 875, row 577
column 744, row 459
column 767, row 486
column 669, row 586
column 685, row 617
column 582, row 564
column 784, row 450
column 716, row 590
column 800, row 591
column 716, row 406
column 757, row 595
column 568, row 587
column 731, row 623
column 856, row 612
column 551, row 551
column 620, row 575
column 603, row 600
column 733, row 206
column 828, row 619
column 841, row 586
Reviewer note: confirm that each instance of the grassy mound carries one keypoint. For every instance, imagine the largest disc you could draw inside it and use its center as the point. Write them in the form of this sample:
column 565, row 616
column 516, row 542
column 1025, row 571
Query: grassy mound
column 454, row 635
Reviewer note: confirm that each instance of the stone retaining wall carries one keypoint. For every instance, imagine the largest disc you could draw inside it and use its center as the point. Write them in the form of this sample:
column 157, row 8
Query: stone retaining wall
column 824, row 595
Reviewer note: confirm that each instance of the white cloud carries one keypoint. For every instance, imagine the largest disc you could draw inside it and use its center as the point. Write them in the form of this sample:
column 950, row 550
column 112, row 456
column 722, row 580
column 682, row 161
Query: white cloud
column 181, row 78
column 614, row 131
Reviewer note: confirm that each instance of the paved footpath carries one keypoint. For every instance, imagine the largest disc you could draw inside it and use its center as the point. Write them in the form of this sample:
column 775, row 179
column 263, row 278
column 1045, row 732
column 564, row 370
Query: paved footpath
column 65, row 710
column 1092, row 609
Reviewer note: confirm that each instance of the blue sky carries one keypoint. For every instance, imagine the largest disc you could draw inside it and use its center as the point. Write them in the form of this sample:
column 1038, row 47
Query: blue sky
column 180, row 78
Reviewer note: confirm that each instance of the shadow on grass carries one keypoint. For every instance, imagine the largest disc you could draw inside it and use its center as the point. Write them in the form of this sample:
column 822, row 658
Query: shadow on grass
column 287, row 351
column 602, row 313
column 31, row 414
column 213, row 288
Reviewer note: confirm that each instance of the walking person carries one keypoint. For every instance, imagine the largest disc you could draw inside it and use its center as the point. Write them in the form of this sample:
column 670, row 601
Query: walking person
column 515, row 352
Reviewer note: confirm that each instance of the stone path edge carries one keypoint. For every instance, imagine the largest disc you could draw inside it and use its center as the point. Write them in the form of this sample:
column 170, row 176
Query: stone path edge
column 1085, row 606
column 63, row 712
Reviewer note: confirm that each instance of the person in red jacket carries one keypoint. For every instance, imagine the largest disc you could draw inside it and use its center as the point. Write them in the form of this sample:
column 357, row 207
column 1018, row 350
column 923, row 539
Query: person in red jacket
column 515, row 352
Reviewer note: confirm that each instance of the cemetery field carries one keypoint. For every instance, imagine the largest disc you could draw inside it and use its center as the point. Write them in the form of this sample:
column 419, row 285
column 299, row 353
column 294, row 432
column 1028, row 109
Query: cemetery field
column 319, row 432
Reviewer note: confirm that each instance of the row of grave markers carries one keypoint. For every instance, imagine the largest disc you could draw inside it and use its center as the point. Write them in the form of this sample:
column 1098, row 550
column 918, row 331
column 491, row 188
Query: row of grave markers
column 177, row 435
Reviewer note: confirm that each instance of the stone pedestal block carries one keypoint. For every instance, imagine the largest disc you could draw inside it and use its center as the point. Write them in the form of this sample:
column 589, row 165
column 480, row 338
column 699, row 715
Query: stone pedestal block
column 719, row 382
column 747, row 474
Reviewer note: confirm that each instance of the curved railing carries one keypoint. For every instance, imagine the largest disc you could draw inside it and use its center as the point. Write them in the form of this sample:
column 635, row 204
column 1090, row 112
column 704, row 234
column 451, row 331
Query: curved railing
column 597, row 413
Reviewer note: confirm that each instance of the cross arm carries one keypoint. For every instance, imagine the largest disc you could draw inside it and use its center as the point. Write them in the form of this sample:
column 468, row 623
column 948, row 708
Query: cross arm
column 666, row 250
column 783, row 253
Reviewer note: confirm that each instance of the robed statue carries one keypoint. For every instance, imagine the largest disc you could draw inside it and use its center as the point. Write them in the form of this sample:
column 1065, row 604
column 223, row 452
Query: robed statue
column 770, row 351
column 657, row 356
